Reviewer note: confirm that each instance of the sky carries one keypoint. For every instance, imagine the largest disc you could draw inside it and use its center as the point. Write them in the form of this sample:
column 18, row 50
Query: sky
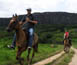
column 10, row 7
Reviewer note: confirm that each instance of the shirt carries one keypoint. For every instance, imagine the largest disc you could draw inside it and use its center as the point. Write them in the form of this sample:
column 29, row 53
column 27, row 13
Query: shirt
column 66, row 35
column 28, row 24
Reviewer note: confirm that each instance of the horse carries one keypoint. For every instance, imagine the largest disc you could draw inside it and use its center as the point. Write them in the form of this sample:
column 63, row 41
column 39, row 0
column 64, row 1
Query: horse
column 21, row 40
column 66, row 45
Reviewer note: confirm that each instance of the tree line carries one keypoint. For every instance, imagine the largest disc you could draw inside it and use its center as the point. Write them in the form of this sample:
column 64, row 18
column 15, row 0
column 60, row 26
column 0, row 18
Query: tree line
column 62, row 18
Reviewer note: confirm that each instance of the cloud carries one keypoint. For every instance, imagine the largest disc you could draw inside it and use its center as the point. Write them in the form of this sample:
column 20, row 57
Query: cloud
column 9, row 7
column 72, row 6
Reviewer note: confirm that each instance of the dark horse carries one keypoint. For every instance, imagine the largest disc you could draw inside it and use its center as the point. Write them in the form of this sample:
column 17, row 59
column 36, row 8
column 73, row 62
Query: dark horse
column 21, row 40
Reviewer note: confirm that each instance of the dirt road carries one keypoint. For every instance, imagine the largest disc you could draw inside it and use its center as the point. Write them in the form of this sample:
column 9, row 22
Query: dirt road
column 50, row 59
column 74, row 59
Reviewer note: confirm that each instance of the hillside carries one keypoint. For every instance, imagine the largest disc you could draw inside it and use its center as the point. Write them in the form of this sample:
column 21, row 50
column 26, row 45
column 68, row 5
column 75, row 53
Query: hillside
column 49, row 18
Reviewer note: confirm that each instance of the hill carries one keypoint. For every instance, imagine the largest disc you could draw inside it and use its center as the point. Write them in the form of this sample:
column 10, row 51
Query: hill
column 49, row 18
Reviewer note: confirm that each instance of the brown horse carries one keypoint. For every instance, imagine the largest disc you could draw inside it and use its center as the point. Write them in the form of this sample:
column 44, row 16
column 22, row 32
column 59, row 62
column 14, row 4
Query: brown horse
column 21, row 40
column 66, row 45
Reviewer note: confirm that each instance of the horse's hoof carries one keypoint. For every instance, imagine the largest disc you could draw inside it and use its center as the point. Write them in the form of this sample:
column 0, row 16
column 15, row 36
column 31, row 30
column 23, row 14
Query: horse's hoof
column 22, row 59
column 27, row 60
column 29, row 64
column 17, row 58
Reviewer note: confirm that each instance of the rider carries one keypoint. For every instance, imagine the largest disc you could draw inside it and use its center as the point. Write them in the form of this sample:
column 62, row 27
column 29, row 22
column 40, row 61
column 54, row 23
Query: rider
column 28, row 24
column 66, row 36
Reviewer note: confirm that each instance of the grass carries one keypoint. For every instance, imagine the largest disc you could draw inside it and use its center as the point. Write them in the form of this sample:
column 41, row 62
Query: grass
column 47, row 35
column 74, row 42
column 8, row 57
column 63, row 60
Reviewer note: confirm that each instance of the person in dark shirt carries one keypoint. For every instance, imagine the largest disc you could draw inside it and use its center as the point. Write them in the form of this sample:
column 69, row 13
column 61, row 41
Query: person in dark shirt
column 28, row 23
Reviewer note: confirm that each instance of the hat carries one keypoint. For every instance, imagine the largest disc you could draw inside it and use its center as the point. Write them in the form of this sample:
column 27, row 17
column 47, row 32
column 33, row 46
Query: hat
column 28, row 9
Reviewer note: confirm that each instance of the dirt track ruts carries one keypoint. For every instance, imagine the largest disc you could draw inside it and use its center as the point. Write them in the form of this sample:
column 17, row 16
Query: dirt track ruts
column 50, row 59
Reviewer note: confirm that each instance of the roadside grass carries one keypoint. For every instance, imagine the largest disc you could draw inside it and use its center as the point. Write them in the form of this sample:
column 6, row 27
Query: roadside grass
column 46, row 35
column 63, row 60
column 8, row 56
column 74, row 42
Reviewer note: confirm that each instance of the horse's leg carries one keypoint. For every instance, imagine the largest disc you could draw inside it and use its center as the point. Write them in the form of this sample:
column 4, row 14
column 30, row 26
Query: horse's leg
column 35, row 49
column 18, row 56
column 64, row 45
column 28, row 59
column 32, row 55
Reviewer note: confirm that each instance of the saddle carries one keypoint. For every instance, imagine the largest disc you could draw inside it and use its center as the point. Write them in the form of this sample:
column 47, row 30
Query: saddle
column 27, row 34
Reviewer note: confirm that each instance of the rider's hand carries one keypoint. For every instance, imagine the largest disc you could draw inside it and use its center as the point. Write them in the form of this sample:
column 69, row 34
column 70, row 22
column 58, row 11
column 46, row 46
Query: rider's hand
column 20, row 23
column 27, row 19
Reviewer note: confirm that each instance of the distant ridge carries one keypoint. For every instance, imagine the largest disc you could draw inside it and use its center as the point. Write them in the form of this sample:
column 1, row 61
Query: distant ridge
column 48, row 18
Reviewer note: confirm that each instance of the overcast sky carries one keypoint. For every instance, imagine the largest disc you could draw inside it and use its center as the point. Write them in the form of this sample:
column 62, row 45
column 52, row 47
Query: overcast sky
column 9, row 7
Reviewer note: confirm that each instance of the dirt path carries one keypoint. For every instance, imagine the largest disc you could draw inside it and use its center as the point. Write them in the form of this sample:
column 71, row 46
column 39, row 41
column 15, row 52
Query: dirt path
column 74, row 59
column 50, row 59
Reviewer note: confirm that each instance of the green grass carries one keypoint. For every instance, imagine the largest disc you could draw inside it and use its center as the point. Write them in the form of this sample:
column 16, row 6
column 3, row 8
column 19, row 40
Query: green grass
column 47, row 34
column 63, row 60
column 8, row 57
column 74, row 42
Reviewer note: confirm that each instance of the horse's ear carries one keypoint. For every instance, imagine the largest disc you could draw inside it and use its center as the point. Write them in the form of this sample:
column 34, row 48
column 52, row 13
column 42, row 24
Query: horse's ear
column 16, row 15
column 13, row 15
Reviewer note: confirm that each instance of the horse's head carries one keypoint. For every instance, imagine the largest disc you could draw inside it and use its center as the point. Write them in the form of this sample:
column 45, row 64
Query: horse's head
column 13, row 23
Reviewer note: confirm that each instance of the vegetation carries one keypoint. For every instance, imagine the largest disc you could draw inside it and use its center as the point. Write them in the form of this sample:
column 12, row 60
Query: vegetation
column 8, row 56
column 50, row 43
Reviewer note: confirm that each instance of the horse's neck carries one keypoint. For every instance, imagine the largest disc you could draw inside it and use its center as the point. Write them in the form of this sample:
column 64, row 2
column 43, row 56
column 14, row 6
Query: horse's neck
column 19, row 33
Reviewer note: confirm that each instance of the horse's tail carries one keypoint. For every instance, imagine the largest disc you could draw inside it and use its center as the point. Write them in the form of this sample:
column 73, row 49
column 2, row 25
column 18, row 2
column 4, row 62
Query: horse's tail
column 36, row 48
column 36, row 42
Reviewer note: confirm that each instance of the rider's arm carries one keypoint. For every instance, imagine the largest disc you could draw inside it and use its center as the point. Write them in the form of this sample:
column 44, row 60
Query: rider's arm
column 64, row 35
column 21, row 23
column 23, row 20
column 34, row 22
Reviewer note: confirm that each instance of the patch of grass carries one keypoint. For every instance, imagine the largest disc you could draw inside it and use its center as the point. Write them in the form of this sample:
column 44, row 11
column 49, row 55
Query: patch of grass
column 74, row 42
column 47, row 34
column 8, row 57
